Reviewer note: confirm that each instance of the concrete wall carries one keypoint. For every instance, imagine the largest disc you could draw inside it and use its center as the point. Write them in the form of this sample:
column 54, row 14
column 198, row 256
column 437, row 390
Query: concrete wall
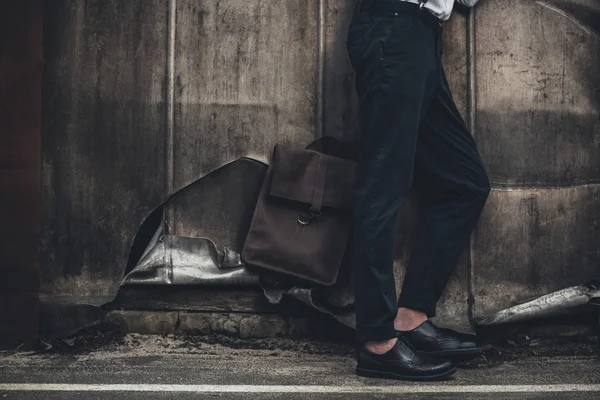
column 143, row 97
column 538, row 130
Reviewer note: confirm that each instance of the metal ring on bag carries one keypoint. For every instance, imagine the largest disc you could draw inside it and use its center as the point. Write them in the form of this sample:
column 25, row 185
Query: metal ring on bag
column 307, row 219
column 302, row 221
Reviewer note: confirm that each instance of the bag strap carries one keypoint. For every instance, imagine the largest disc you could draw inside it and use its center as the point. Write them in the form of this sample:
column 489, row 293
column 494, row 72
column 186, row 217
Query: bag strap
column 318, row 193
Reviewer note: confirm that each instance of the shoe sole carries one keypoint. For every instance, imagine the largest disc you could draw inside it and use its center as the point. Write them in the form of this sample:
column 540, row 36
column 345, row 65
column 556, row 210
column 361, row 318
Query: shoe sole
column 372, row 373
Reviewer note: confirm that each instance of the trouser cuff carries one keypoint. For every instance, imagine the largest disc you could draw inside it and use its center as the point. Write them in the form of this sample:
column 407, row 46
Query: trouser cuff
column 426, row 306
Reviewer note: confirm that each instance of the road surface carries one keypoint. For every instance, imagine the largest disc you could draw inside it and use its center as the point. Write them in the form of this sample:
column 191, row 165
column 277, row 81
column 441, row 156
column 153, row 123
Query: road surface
column 150, row 367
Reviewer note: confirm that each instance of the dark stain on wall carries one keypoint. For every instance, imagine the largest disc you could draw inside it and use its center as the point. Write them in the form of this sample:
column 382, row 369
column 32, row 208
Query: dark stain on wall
column 103, row 137
column 20, row 132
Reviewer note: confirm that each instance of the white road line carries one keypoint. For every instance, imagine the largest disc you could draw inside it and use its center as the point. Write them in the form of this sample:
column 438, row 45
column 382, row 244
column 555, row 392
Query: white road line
column 51, row 387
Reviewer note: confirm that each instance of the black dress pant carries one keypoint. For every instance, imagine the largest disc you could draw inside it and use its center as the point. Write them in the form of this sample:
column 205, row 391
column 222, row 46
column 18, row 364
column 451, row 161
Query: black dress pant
column 411, row 133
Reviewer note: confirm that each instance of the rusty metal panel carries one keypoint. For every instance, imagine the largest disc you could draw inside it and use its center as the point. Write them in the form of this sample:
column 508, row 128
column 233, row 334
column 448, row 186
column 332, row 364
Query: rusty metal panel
column 245, row 80
column 534, row 241
column 537, row 91
column 103, row 137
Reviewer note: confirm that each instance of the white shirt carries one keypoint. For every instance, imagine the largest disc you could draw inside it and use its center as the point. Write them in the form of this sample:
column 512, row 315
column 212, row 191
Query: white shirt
column 443, row 8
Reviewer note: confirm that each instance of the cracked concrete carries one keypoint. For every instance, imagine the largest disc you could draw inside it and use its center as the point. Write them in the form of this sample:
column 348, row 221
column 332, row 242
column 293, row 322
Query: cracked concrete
column 243, row 325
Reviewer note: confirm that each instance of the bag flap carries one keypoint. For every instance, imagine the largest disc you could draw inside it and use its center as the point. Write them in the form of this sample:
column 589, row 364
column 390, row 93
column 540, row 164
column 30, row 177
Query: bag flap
column 295, row 172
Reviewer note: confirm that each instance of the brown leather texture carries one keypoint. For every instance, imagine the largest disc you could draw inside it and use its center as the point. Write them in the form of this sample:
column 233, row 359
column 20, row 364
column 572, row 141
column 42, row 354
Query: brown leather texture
column 284, row 235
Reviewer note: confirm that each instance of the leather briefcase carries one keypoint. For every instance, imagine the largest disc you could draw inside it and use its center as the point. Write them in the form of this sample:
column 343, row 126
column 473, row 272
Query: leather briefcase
column 303, row 216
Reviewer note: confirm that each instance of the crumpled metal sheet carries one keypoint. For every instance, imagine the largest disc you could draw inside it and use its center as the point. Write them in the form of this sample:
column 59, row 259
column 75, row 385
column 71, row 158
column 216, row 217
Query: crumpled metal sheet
column 188, row 255
column 185, row 260
column 177, row 260
column 307, row 297
column 558, row 303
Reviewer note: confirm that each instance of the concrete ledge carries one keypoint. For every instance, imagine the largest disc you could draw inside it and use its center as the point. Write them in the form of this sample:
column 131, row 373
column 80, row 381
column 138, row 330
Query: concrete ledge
column 66, row 318
column 242, row 325
column 146, row 322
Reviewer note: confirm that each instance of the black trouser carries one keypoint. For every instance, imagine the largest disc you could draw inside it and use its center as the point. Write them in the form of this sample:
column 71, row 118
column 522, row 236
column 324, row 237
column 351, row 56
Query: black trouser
column 410, row 128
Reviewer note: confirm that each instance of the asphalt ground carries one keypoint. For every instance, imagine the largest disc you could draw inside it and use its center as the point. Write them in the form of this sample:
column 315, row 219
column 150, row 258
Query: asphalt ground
column 153, row 367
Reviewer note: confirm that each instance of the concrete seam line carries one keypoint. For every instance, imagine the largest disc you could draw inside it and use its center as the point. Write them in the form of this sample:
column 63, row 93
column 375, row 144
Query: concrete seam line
column 320, row 78
column 471, row 73
column 171, row 34
column 170, row 109
column 299, row 389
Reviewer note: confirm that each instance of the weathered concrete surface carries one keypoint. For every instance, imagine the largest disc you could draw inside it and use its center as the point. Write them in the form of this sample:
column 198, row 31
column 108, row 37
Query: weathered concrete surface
column 247, row 76
column 158, row 323
column 538, row 132
column 142, row 360
column 190, row 298
column 219, row 206
column 537, row 95
column 245, row 80
column 340, row 101
column 240, row 325
column 532, row 242
column 103, row 138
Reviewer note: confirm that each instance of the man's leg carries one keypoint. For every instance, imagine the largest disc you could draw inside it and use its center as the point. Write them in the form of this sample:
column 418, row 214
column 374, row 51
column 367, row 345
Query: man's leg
column 394, row 56
column 453, row 186
column 393, row 77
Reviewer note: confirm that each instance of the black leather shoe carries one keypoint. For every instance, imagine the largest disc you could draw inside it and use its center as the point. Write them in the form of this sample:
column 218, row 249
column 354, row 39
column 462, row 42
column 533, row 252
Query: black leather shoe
column 439, row 342
column 402, row 363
